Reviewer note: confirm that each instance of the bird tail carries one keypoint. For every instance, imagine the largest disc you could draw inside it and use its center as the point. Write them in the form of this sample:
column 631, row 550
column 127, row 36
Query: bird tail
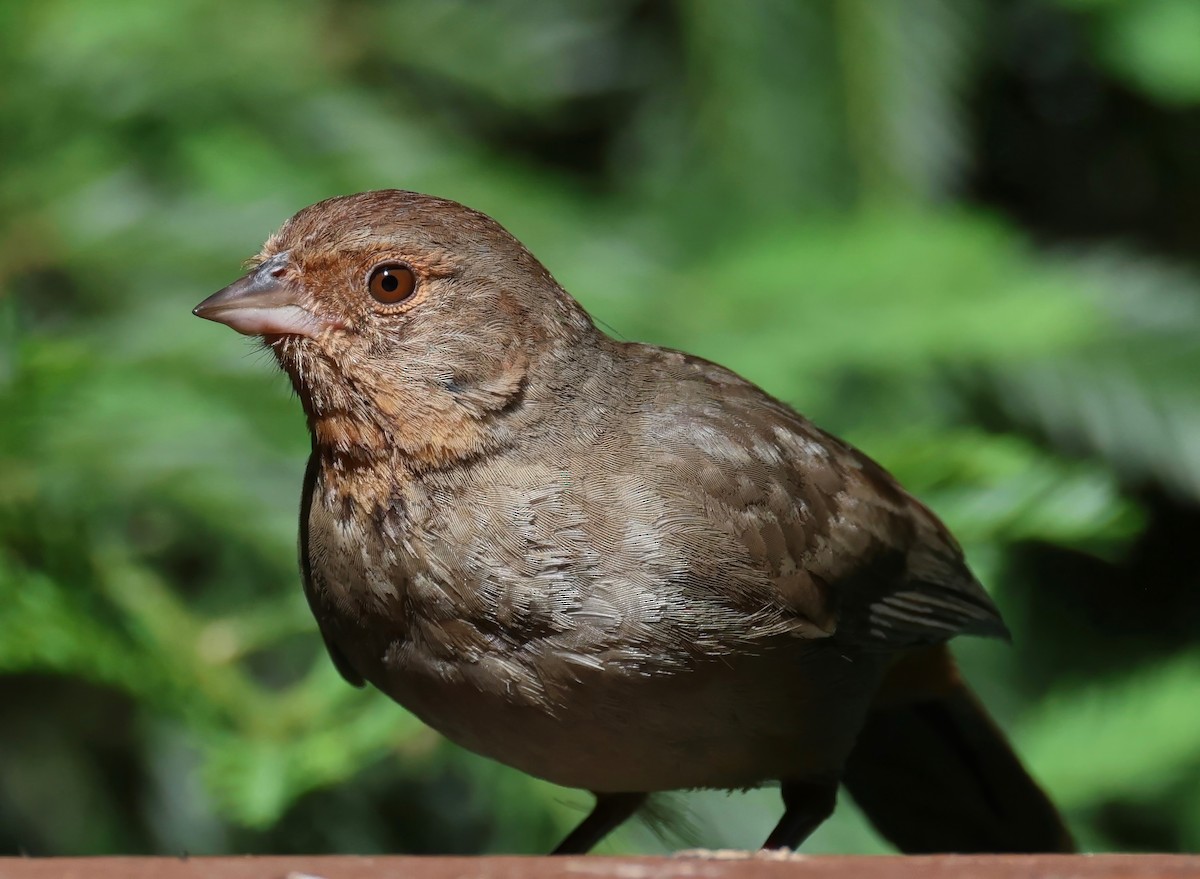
column 934, row 773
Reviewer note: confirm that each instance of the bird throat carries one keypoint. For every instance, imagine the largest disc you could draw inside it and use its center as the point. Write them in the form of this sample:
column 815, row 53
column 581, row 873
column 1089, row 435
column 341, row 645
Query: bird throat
column 419, row 426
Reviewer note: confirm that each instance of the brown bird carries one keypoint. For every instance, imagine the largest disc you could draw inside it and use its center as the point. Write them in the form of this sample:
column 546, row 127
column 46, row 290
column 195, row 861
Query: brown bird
column 610, row 565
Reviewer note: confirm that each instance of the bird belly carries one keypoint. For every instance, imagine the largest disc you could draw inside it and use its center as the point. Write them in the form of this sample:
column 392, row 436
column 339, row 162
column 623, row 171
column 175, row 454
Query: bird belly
column 733, row 722
column 580, row 706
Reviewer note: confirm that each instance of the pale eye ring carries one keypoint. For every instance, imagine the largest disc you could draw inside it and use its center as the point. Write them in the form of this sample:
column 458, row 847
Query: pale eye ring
column 392, row 283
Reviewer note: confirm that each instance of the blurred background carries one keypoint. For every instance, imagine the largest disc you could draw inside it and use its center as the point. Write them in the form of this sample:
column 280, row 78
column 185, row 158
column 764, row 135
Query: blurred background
column 963, row 234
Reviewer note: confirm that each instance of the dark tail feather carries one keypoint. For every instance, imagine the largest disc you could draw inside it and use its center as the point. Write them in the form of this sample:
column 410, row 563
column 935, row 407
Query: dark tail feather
column 938, row 776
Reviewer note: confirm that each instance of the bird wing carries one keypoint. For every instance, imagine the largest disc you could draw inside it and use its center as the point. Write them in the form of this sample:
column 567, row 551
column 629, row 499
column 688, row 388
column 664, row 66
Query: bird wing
column 841, row 544
column 340, row 662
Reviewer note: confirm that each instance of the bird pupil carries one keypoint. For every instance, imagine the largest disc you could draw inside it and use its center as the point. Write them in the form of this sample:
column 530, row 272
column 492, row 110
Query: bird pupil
column 389, row 283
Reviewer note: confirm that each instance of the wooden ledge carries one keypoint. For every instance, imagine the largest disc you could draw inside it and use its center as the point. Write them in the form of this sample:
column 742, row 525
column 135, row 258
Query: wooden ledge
column 713, row 865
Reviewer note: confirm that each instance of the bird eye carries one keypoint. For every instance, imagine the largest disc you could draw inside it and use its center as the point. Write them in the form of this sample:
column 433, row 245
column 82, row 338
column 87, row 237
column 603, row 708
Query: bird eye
column 392, row 283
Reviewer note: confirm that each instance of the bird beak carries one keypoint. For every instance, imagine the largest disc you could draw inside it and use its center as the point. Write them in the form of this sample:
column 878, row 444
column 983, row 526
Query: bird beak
column 262, row 304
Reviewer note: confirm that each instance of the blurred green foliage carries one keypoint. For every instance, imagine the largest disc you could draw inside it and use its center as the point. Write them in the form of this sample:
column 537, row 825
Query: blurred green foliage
column 789, row 188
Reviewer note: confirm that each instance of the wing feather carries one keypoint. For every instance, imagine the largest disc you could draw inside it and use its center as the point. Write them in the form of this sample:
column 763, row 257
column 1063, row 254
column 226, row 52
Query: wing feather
column 840, row 542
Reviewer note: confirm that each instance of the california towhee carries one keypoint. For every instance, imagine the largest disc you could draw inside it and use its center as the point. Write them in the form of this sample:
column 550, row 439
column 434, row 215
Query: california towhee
column 611, row 565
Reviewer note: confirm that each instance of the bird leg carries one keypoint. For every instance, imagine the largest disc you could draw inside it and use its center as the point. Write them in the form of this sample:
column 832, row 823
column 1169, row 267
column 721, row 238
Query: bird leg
column 806, row 805
column 610, row 810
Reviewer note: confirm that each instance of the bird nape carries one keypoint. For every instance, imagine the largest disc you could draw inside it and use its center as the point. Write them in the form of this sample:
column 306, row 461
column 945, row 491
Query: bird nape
column 611, row 565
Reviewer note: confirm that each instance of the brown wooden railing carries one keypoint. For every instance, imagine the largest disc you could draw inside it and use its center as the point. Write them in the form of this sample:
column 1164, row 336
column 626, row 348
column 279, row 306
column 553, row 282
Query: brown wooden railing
column 712, row 866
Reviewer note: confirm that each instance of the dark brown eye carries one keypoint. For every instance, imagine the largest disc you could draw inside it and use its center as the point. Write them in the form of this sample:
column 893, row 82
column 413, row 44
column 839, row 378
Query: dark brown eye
column 392, row 283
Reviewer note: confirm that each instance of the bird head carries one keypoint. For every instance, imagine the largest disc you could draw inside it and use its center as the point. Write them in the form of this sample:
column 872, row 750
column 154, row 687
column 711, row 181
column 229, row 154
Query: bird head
column 401, row 318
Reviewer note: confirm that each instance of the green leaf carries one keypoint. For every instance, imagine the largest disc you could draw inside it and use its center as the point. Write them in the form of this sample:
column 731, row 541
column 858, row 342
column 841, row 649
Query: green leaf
column 1130, row 737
